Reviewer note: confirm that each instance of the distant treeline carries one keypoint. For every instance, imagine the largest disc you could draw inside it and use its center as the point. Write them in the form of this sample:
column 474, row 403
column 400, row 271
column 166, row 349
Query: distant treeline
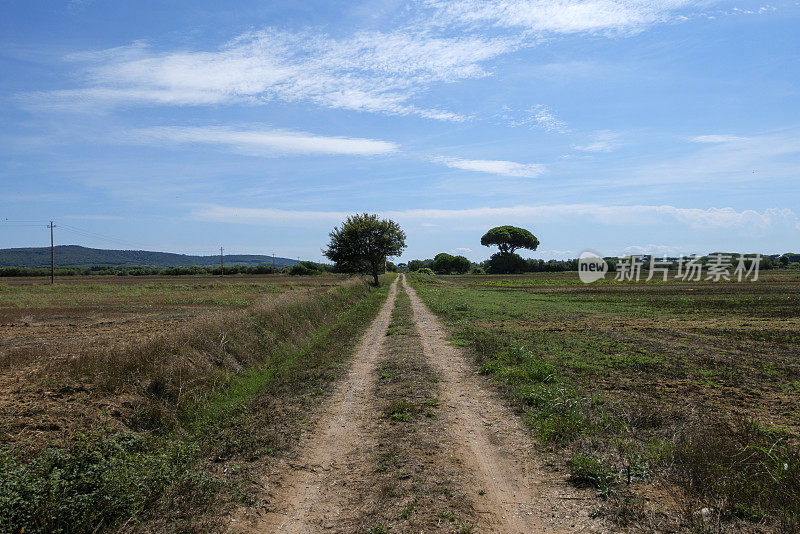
column 513, row 263
column 300, row 268
column 442, row 264
column 446, row 264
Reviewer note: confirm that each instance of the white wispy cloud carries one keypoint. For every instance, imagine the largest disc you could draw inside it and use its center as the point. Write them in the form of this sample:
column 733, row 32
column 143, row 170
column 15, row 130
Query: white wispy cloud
column 372, row 71
column 279, row 217
column 717, row 138
column 612, row 215
column 499, row 167
column 727, row 158
column 561, row 16
column 544, row 117
column 91, row 217
column 601, row 141
column 539, row 116
column 369, row 71
column 260, row 142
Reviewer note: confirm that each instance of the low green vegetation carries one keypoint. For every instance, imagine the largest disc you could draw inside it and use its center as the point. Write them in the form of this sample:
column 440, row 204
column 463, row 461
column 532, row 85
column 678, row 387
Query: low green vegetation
column 633, row 383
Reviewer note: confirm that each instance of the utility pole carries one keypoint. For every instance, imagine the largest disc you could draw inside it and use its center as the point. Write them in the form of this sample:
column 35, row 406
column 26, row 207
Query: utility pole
column 221, row 261
column 52, row 256
column 273, row 261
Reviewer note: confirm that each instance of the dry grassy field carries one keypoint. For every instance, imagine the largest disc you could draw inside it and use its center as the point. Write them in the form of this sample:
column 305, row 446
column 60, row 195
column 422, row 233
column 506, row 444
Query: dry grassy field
column 196, row 404
column 51, row 336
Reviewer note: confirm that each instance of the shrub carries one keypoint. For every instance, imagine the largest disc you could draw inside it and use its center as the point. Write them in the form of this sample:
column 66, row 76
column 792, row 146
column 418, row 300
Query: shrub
column 298, row 269
column 443, row 263
column 100, row 478
column 416, row 265
column 505, row 263
column 460, row 265
column 587, row 471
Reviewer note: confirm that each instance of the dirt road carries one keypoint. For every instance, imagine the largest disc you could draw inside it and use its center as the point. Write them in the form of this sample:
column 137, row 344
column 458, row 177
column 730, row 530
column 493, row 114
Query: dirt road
column 467, row 465
column 521, row 495
column 310, row 499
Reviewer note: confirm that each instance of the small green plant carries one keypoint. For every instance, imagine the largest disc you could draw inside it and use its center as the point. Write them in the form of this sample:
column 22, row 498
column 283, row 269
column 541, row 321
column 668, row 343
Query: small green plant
column 385, row 461
column 408, row 510
column 587, row 471
column 401, row 411
column 101, row 478
column 378, row 528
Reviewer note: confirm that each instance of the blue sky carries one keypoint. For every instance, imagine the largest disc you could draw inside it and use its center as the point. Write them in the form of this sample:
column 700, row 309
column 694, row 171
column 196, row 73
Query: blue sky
column 619, row 126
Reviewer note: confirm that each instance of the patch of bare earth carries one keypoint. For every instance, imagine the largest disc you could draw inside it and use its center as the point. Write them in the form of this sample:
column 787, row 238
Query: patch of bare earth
column 39, row 402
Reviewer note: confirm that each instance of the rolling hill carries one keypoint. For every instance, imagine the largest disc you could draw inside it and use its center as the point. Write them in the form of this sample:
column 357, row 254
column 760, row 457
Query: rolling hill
column 77, row 256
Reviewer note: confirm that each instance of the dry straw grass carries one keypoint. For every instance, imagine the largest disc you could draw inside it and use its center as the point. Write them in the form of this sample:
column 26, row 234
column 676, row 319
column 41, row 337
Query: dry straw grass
column 170, row 372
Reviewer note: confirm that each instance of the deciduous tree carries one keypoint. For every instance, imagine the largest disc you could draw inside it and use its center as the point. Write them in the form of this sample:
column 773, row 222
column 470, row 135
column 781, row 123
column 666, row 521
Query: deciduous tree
column 363, row 242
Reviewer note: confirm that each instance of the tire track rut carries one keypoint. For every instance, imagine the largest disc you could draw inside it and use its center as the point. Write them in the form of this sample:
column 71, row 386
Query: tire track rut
column 521, row 495
column 509, row 488
column 309, row 500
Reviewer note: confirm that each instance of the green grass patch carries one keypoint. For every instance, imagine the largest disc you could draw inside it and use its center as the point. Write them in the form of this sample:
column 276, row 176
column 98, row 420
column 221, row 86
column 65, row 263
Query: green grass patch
column 659, row 351
column 588, row 471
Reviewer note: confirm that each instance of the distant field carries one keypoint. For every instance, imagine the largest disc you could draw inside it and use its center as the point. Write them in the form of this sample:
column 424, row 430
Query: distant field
column 115, row 311
column 695, row 385
column 45, row 329
column 136, row 292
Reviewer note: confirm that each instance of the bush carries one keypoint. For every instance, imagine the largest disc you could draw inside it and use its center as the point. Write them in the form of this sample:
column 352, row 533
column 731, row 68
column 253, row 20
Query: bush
column 587, row 471
column 443, row 263
column 416, row 265
column 298, row 269
column 460, row 265
column 101, row 478
column 505, row 263
column 424, row 270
